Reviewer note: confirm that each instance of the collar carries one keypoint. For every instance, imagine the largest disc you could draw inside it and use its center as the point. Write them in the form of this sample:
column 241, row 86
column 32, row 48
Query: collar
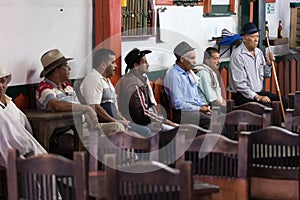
column 7, row 100
column 246, row 51
column 142, row 77
column 54, row 84
column 180, row 70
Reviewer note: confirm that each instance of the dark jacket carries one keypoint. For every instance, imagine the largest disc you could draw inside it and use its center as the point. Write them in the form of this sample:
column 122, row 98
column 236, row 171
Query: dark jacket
column 134, row 99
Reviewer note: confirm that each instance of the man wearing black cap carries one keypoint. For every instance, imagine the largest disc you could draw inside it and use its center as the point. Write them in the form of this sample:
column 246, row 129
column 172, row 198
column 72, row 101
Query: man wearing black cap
column 98, row 91
column 181, row 89
column 248, row 69
column 135, row 96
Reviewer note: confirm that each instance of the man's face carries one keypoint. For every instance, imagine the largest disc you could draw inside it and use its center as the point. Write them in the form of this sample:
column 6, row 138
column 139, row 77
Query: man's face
column 188, row 60
column 64, row 71
column 111, row 66
column 214, row 61
column 3, row 85
column 143, row 67
column 251, row 41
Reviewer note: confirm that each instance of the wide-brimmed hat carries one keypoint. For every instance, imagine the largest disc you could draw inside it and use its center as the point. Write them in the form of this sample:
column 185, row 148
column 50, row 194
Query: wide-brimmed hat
column 249, row 28
column 4, row 73
column 134, row 56
column 182, row 48
column 52, row 59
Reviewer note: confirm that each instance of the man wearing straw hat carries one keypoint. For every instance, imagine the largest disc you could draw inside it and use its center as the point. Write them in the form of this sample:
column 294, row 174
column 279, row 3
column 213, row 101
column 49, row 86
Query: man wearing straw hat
column 248, row 70
column 15, row 128
column 56, row 93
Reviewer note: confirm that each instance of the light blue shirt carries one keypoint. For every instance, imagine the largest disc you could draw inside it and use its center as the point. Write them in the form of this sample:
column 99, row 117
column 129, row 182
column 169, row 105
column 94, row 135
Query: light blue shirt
column 182, row 90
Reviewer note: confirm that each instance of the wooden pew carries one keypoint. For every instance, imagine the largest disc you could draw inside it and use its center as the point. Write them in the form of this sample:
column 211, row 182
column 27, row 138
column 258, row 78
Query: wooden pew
column 273, row 160
column 217, row 160
column 227, row 124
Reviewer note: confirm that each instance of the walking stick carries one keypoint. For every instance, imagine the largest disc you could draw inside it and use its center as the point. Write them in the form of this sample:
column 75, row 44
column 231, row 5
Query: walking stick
column 276, row 81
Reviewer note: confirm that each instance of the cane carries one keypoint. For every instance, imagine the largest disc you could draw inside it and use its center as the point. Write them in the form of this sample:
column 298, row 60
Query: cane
column 276, row 82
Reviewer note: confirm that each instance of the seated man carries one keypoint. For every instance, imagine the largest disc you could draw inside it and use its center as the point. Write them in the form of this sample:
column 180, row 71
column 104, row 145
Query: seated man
column 248, row 70
column 209, row 86
column 135, row 96
column 15, row 128
column 56, row 93
column 99, row 92
column 181, row 89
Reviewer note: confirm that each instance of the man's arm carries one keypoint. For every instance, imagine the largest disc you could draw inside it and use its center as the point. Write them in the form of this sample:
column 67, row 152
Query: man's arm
column 173, row 88
column 63, row 106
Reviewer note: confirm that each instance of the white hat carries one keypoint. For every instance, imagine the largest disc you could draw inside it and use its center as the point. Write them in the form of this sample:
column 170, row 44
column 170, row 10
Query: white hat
column 4, row 73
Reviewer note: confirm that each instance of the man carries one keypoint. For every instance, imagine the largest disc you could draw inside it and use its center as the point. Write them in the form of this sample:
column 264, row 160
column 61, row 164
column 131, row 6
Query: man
column 181, row 89
column 99, row 92
column 135, row 96
column 248, row 70
column 209, row 86
column 15, row 128
column 56, row 93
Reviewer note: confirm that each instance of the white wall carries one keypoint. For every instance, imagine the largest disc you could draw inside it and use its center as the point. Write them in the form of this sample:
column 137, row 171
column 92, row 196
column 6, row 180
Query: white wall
column 180, row 23
column 31, row 27
column 281, row 12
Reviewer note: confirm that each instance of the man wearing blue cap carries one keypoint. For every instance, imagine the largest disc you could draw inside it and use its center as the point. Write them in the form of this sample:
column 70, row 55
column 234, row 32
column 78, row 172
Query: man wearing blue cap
column 248, row 69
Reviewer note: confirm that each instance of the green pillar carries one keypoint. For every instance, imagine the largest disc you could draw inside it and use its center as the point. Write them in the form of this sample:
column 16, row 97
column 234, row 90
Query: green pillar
column 259, row 18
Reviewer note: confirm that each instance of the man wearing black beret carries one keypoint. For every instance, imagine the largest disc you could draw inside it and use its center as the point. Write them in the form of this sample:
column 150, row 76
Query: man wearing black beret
column 181, row 89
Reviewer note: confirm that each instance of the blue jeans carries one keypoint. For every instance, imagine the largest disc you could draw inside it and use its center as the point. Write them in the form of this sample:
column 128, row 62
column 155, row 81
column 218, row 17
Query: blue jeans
column 144, row 131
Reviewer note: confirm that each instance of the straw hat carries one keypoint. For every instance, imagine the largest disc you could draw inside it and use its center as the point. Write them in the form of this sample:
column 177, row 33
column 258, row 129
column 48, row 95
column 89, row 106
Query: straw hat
column 52, row 59
column 4, row 73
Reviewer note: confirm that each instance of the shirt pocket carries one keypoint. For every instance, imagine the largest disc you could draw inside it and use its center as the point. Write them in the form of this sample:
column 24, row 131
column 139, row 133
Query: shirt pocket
column 261, row 71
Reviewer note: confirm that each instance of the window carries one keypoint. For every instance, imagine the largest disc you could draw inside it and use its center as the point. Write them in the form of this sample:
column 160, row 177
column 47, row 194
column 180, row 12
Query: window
column 179, row 2
column 137, row 18
column 216, row 8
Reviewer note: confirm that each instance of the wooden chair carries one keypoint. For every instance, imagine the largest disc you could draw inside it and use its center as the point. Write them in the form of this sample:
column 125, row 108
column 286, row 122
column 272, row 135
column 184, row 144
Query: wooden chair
column 152, row 180
column 3, row 183
column 227, row 124
column 292, row 122
column 216, row 160
column 46, row 176
column 273, row 161
column 167, row 141
column 129, row 148
column 257, row 108
column 294, row 102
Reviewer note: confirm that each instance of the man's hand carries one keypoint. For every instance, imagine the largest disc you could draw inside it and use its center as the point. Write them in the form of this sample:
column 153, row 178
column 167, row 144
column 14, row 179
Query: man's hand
column 205, row 109
column 264, row 99
column 270, row 57
column 170, row 123
column 91, row 116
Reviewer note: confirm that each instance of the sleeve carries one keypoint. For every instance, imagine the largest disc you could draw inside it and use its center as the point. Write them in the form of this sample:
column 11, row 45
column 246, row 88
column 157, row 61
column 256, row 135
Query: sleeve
column 173, row 87
column 138, row 105
column 205, row 86
column 91, row 90
column 239, row 77
column 267, row 68
column 44, row 94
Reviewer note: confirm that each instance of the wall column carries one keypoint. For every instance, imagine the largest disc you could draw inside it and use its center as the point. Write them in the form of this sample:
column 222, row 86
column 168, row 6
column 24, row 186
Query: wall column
column 107, row 27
